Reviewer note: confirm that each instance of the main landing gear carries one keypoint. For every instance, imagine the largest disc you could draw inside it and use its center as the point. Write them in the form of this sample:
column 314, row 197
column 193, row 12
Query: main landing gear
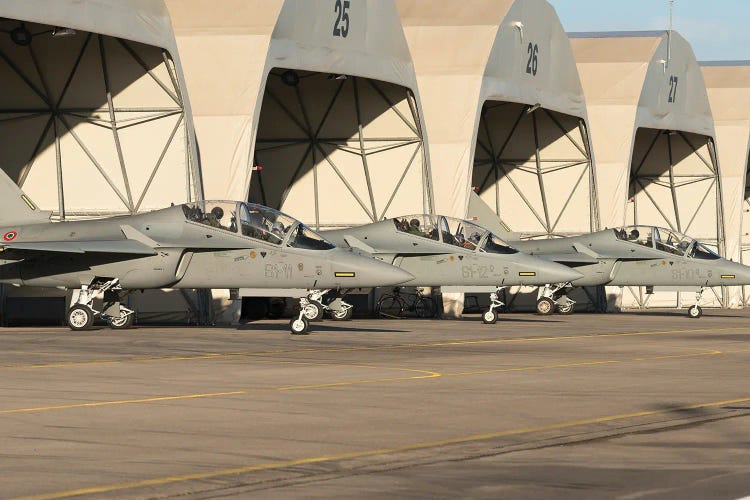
column 695, row 311
column 489, row 317
column 82, row 314
column 554, row 297
column 316, row 305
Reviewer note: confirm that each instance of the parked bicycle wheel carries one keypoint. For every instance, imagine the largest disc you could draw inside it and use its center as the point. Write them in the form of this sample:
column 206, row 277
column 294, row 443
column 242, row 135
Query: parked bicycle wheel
column 425, row 307
column 390, row 306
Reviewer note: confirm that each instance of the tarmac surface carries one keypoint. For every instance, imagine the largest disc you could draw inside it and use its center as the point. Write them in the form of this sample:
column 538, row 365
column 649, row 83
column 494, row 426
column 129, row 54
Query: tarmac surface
column 632, row 405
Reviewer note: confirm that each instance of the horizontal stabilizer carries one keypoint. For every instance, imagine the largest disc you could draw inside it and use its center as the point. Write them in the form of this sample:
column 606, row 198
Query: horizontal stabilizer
column 130, row 247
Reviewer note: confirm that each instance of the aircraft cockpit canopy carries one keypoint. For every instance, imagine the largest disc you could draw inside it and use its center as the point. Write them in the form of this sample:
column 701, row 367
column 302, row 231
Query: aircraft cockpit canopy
column 666, row 240
column 456, row 232
column 257, row 222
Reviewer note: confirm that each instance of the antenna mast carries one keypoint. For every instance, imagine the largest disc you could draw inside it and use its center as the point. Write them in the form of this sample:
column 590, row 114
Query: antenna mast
column 669, row 34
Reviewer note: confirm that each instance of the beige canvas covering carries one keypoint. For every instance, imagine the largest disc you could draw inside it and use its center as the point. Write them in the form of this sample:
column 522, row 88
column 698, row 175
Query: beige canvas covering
column 479, row 57
column 653, row 136
column 356, row 93
column 118, row 66
column 728, row 86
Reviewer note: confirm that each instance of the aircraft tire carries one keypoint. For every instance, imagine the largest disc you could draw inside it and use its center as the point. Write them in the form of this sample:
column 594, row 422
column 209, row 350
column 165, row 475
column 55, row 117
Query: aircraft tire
column 314, row 311
column 121, row 323
column 695, row 312
column 80, row 318
column 566, row 309
column 299, row 326
column 343, row 315
column 545, row 306
column 489, row 317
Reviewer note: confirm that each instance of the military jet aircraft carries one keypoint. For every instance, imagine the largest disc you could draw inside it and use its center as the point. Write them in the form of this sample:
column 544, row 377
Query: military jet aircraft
column 628, row 256
column 447, row 252
column 207, row 244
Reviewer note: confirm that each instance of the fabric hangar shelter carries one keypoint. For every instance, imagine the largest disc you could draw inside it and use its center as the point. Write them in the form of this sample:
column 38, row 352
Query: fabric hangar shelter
column 728, row 86
column 94, row 120
column 307, row 106
column 654, row 140
column 504, row 114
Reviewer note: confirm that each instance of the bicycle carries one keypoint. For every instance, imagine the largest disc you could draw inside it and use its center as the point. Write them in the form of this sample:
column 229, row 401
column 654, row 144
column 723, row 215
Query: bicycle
column 393, row 305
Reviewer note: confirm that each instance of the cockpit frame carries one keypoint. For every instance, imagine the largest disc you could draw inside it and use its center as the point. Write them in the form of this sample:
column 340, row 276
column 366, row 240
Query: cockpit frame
column 453, row 232
column 665, row 240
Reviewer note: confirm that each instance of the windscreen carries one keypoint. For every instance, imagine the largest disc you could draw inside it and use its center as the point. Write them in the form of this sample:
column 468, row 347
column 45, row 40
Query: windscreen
column 700, row 251
column 493, row 244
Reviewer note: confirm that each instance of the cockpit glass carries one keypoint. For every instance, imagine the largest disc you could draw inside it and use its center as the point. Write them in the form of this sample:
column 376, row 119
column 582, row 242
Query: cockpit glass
column 264, row 223
column 701, row 251
column 418, row 225
column 642, row 235
column 304, row 237
column 218, row 214
column 493, row 244
column 461, row 233
column 670, row 241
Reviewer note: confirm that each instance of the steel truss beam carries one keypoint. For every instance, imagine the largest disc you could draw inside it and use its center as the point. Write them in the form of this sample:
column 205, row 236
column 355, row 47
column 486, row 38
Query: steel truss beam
column 58, row 123
column 499, row 166
column 359, row 145
column 670, row 179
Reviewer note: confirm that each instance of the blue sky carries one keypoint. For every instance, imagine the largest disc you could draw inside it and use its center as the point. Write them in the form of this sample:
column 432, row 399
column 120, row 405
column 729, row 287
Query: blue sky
column 717, row 29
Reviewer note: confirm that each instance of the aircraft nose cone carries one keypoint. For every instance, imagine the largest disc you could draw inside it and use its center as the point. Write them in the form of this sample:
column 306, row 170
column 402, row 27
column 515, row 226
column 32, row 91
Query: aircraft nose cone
column 741, row 273
column 367, row 272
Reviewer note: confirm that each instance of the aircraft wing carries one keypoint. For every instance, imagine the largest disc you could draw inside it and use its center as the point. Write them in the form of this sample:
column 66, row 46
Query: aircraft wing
column 129, row 247
column 568, row 258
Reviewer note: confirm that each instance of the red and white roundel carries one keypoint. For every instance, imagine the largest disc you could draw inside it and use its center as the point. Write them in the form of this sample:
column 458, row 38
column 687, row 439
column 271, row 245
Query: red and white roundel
column 10, row 236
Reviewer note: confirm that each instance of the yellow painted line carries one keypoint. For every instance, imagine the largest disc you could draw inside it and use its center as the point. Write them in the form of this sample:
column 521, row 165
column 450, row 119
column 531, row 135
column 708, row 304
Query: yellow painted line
column 282, row 464
column 444, row 343
column 422, row 374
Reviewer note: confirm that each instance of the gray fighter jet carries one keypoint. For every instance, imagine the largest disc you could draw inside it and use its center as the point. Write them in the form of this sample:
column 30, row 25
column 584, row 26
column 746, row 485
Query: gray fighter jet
column 446, row 252
column 628, row 256
column 208, row 244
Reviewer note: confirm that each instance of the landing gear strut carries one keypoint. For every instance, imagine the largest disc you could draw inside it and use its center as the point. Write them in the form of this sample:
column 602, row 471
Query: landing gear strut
column 489, row 317
column 553, row 297
column 695, row 311
column 316, row 304
column 82, row 314
column 299, row 325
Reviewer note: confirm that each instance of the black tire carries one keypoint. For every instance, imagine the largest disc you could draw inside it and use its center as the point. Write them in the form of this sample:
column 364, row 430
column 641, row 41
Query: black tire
column 425, row 308
column 566, row 309
column 299, row 326
column 317, row 308
column 122, row 323
column 695, row 312
column 545, row 306
column 345, row 315
column 489, row 317
column 390, row 306
column 80, row 318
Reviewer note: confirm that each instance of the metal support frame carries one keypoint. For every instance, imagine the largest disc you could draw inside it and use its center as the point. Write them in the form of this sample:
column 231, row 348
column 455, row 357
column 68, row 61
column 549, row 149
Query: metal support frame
column 60, row 115
column 365, row 147
column 642, row 185
column 499, row 166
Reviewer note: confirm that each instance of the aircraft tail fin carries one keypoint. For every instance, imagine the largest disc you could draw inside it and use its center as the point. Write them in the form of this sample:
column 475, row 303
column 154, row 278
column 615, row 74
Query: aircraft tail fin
column 15, row 206
column 483, row 215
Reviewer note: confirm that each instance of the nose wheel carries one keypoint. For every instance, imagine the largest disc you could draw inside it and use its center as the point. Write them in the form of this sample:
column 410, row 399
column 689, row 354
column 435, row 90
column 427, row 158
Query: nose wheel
column 489, row 317
column 299, row 326
column 695, row 312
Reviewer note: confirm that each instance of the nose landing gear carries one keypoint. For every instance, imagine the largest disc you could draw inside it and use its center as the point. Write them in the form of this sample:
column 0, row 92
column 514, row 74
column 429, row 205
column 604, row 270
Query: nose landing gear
column 695, row 311
column 489, row 317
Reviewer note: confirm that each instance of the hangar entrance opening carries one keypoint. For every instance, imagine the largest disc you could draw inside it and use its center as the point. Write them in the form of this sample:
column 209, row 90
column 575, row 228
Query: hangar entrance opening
column 745, row 233
column 91, row 124
column 533, row 166
column 339, row 151
column 674, row 183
